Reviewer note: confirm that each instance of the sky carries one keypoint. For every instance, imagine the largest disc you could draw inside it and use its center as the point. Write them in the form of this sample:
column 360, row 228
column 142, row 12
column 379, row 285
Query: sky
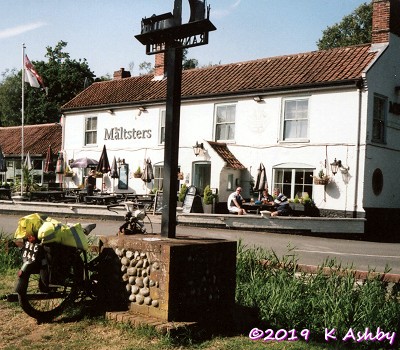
column 103, row 31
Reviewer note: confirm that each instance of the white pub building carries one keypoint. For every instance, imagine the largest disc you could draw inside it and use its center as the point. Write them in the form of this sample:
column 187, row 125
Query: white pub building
column 295, row 114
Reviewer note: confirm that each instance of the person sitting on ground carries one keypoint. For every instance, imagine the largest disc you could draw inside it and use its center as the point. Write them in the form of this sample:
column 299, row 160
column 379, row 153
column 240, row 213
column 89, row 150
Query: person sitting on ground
column 266, row 198
column 235, row 201
column 282, row 206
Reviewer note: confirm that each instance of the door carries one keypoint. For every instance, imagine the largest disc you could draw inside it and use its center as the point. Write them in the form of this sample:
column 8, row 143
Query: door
column 201, row 175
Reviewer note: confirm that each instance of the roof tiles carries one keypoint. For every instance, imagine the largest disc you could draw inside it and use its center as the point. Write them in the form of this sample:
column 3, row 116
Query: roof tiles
column 37, row 139
column 300, row 70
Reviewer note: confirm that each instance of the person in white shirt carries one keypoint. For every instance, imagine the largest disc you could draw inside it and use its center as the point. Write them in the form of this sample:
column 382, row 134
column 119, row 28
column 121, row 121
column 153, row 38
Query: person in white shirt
column 235, row 201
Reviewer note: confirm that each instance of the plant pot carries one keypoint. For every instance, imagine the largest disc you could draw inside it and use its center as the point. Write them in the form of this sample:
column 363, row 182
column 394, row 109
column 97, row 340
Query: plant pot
column 137, row 175
column 207, row 208
column 321, row 181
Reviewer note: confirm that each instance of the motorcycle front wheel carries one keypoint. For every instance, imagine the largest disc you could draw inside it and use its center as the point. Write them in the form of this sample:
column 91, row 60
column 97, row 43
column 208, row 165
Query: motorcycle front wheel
column 42, row 302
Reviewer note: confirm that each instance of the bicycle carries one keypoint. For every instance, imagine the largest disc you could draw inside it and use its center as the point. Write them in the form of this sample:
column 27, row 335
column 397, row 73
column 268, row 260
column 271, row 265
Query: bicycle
column 136, row 220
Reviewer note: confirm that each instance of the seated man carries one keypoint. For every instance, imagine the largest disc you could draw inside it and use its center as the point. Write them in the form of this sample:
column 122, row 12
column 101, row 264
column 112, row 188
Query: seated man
column 282, row 206
column 235, row 201
column 266, row 198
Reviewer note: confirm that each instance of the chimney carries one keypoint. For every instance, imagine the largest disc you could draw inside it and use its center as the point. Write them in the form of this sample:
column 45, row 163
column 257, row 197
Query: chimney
column 159, row 65
column 385, row 20
column 121, row 74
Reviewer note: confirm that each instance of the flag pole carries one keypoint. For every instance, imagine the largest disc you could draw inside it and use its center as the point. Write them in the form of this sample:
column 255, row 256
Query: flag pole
column 22, row 118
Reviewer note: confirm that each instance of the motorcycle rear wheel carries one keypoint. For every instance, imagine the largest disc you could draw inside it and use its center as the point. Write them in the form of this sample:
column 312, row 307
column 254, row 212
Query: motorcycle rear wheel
column 45, row 303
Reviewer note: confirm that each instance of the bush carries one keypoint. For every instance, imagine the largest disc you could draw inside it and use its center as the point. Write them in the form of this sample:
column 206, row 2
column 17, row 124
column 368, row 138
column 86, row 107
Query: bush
column 208, row 195
column 10, row 257
column 182, row 193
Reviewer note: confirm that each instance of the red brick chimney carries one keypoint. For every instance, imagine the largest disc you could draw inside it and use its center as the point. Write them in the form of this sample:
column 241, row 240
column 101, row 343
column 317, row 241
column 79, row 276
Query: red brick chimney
column 159, row 65
column 121, row 74
column 385, row 20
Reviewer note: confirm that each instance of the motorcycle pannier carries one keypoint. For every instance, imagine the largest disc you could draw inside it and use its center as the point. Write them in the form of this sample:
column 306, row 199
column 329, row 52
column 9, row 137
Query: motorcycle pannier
column 53, row 231
column 28, row 226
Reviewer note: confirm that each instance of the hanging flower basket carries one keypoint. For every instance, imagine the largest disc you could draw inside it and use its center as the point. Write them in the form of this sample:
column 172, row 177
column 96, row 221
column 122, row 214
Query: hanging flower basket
column 321, row 180
column 137, row 175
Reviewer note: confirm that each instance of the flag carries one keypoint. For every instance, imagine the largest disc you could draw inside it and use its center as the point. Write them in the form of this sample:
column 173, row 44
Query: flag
column 31, row 76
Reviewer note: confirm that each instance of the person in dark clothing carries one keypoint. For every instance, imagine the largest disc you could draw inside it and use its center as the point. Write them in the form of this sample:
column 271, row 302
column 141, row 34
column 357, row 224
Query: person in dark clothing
column 281, row 205
column 91, row 183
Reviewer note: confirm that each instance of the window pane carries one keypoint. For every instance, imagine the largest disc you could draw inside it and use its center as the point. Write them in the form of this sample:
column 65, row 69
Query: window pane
column 225, row 122
column 295, row 119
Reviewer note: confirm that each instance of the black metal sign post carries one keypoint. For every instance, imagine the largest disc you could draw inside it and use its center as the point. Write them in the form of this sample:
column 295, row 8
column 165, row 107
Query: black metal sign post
column 166, row 33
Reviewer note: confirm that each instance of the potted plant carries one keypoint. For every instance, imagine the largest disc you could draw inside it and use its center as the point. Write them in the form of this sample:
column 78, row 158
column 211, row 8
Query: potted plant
column 68, row 172
column 138, row 173
column 208, row 199
column 181, row 195
column 321, row 179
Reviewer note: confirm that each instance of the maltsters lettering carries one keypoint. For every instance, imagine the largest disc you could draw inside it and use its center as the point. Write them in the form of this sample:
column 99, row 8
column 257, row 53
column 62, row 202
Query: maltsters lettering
column 126, row 134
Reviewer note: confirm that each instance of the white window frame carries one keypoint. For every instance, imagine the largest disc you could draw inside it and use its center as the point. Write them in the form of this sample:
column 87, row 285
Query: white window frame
column 307, row 182
column 92, row 131
column 225, row 123
column 298, row 117
column 379, row 119
column 161, row 127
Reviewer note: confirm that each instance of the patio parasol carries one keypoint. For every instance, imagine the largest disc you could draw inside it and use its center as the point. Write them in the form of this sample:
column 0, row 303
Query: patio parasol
column 60, row 164
column 261, row 182
column 48, row 165
column 147, row 175
column 28, row 162
column 103, row 166
column 3, row 165
column 84, row 163
column 114, row 169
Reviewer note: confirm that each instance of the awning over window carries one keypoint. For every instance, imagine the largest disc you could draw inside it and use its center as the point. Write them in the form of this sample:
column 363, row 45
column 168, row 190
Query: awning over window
column 226, row 155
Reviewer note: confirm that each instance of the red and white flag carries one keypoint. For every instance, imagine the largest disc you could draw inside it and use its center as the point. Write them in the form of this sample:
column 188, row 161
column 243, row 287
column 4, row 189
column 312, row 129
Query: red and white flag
column 31, row 76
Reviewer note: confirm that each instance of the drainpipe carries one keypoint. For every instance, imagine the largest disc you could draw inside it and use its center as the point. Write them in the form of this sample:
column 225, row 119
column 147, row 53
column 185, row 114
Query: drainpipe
column 357, row 170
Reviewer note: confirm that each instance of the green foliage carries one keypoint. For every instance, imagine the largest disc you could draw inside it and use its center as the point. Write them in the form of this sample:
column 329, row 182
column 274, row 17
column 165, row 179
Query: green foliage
column 10, row 256
column 208, row 195
column 354, row 29
column 182, row 192
column 29, row 181
column 288, row 299
column 63, row 77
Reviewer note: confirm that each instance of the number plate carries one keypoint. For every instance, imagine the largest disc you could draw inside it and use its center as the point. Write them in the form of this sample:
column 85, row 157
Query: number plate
column 30, row 251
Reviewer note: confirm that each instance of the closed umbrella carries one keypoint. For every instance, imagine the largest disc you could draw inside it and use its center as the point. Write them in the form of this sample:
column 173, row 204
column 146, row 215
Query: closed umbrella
column 261, row 182
column 28, row 162
column 3, row 165
column 84, row 163
column 147, row 175
column 114, row 169
column 48, row 165
column 60, row 164
column 103, row 166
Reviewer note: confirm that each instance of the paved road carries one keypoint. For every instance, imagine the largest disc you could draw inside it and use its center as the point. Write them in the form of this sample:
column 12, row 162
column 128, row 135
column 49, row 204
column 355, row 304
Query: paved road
column 308, row 250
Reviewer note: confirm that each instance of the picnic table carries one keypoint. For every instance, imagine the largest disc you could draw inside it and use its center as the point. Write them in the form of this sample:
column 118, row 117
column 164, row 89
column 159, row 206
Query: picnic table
column 47, row 195
column 101, row 199
column 256, row 208
column 5, row 192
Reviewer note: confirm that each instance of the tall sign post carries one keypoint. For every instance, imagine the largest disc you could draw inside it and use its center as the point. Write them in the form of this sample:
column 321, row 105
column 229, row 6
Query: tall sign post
column 166, row 34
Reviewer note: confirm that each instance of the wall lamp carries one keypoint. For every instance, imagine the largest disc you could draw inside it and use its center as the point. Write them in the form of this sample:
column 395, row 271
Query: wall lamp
column 258, row 99
column 336, row 165
column 197, row 148
column 141, row 110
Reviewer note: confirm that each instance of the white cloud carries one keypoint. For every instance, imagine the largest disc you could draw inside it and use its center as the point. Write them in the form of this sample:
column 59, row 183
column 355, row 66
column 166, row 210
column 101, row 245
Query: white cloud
column 14, row 31
column 226, row 12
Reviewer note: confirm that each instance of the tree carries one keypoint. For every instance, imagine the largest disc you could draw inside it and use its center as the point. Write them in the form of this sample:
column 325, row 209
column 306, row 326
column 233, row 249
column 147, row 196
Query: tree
column 354, row 29
column 63, row 77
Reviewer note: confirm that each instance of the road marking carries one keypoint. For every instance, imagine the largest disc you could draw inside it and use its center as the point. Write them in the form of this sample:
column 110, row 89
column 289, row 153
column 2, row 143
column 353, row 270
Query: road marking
column 348, row 254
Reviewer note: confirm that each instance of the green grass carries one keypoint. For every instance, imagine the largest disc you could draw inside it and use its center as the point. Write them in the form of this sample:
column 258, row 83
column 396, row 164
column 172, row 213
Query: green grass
column 281, row 298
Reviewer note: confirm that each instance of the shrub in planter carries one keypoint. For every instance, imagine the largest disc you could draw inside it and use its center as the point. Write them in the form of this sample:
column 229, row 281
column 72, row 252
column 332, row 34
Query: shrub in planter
column 208, row 196
column 182, row 193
